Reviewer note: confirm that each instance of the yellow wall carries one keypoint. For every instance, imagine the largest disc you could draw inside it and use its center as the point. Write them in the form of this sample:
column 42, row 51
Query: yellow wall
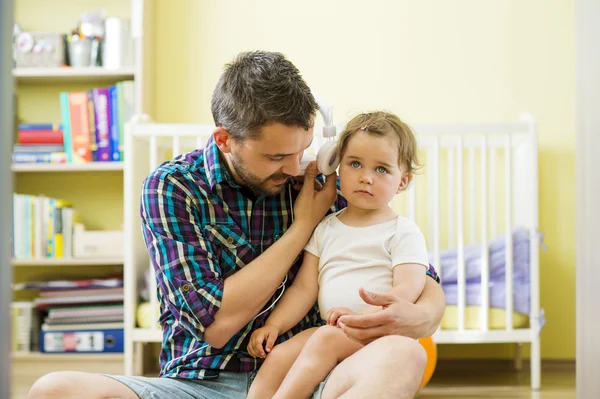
column 428, row 61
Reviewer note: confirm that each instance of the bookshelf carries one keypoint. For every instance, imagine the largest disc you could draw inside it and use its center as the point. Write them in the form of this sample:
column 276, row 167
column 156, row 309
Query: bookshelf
column 68, row 262
column 96, row 189
column 67, row 168
column 60, row 357
column 72, row 75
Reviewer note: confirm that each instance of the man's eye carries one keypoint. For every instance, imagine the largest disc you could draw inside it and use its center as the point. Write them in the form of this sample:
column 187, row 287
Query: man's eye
column 355, row 164
column 276, row 159
column 381, row 169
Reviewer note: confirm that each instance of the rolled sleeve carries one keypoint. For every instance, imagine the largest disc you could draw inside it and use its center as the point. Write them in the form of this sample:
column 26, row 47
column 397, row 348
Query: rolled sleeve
column 189, row 279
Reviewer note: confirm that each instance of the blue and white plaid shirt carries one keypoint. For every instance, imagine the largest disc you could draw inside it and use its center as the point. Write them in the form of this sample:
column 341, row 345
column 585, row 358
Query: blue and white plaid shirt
column 201, row 227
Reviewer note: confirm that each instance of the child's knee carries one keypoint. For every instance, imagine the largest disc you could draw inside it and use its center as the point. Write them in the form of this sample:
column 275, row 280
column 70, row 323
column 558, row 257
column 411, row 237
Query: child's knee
column 327, row 336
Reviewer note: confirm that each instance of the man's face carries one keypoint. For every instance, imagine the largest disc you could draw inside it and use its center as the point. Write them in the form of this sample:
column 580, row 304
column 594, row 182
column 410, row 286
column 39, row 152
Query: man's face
column 264, row 164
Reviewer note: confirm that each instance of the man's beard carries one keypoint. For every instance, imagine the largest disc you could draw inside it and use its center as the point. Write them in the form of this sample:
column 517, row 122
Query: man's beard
column 257, row 185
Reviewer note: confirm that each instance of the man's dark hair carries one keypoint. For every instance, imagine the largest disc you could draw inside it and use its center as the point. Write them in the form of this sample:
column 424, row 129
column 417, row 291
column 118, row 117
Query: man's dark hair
column 260, row 88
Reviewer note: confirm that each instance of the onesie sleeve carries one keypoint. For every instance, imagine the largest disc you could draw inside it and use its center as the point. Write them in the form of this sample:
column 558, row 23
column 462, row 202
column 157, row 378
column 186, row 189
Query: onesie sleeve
column 408, row 245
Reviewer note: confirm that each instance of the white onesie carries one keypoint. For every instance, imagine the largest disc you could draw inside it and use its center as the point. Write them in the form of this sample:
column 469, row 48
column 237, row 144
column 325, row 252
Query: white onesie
column 354, row 257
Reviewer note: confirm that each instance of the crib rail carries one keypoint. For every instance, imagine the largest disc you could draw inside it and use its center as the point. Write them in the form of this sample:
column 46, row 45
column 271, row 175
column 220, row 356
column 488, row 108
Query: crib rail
column 479, row 182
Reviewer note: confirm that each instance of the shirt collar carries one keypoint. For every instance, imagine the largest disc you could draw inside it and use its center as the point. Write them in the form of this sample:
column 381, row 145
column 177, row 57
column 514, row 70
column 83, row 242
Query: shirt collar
column 216, row 172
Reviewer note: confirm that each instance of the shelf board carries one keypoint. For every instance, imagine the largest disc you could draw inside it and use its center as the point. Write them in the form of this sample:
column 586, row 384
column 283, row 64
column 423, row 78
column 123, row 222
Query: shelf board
column 68, row 74
column 68, row 262
column 70, row 357
column 67, row 167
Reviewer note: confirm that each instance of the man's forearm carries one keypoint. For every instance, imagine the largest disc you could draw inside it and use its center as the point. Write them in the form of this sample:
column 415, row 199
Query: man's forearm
column 433, row 302
column 248, row 290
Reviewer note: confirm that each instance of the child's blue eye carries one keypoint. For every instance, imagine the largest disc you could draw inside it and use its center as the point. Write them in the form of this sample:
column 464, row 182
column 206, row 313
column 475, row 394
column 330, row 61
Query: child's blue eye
column 355, row 164
column 381, row 169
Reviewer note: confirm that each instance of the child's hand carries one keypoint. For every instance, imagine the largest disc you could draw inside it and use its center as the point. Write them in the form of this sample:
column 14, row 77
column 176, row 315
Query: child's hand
column 334, row 314
column 263, row 336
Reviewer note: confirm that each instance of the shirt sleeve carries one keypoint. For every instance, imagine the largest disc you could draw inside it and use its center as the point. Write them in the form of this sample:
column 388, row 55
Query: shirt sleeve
column 313, row 246
column 188, row 277
column 408, row 245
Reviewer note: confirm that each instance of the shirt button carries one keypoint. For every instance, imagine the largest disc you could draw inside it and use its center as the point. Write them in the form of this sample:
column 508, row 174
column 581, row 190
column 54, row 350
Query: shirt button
column 185, row 288
column 230, row 240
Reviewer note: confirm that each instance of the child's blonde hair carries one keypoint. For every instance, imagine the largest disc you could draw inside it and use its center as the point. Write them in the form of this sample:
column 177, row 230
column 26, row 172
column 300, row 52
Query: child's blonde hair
column 382, row 124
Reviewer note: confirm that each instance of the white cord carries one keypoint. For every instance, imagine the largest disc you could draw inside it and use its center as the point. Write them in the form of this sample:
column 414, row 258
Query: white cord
column 282, row 285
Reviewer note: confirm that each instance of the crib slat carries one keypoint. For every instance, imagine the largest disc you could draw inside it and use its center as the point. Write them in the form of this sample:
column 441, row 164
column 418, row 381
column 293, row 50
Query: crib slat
column 472, row 189
column 412, row 202
column 450, row 193
column 485, row 266
column 493, row 188
column 430, row 199
column 176, row 146
column 460, row 234
column 508, row 232
column 152, row 288
column 153, row 153
column 435, row 172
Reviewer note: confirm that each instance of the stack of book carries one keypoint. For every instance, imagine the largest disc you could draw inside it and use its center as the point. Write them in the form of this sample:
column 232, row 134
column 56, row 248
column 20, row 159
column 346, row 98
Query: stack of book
column 39, row 143
column 81, row 316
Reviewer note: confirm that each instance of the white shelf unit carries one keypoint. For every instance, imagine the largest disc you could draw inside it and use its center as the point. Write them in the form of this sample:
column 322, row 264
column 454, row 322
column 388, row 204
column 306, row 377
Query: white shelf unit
column 72, row 75
column 67, row 262
column 141, row 15
column 66, row 357
column 67, row 167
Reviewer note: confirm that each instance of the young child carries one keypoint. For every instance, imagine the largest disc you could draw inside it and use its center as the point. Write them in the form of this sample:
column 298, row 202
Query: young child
column 366, row 245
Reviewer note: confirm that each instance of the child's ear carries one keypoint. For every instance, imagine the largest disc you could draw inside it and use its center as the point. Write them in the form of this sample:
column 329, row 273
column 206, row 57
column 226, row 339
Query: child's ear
column 223, row 139
column 404, row 182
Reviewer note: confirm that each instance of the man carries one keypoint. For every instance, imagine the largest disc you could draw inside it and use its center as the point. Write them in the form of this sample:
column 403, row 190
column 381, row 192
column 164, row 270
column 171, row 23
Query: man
column 225, row 228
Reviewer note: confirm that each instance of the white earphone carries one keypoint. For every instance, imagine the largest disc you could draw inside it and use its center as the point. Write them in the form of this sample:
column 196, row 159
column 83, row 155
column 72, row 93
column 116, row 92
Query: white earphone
column 327, row 157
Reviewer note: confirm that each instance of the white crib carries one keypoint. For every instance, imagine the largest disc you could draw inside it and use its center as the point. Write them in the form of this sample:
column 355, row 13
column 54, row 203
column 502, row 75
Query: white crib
column 479, row 182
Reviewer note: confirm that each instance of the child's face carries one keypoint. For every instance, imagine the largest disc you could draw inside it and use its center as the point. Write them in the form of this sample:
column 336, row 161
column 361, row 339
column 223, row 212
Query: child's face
column 369, row 171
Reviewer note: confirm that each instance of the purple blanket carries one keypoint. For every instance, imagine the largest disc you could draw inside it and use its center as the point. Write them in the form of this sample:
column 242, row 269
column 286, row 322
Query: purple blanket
column 497, row 253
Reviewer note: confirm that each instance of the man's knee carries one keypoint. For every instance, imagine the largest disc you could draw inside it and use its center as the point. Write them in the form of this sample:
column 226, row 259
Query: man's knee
column 398, row 350
column 51, row 386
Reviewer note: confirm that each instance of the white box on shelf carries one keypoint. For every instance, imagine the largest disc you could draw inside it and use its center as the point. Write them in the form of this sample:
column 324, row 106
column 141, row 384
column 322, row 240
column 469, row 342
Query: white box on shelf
column 97, row 243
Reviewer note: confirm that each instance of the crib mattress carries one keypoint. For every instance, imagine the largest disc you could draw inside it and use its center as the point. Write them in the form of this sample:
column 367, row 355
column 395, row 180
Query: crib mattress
column 497, row 319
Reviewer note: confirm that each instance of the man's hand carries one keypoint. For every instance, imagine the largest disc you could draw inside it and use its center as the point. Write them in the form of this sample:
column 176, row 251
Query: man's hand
column 335, row 313
column 397, row 317
column 312, row 205
column 262, row 341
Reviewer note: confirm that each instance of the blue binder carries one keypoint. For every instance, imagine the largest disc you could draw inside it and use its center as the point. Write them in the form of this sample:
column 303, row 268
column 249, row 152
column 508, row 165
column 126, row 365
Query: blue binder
column 82, row 341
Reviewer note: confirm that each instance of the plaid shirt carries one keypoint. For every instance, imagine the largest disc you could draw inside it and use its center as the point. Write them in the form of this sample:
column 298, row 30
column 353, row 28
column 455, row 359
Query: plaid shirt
column 201, row 227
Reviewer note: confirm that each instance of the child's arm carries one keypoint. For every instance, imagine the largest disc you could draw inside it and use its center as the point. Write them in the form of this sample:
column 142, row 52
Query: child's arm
column 408, row 281
column 299, row 297
column 291, row 308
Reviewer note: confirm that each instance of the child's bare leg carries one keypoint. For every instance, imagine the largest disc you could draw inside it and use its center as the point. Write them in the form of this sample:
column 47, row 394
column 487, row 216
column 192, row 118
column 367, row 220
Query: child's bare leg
column 276, row 365
column 324, row 350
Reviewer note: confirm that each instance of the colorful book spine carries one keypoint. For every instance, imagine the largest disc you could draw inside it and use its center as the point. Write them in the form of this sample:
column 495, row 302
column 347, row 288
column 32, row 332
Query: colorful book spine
column 92, row 125
column 65, row 116
column 80, row 126
column 102, row 116
column 114, row 124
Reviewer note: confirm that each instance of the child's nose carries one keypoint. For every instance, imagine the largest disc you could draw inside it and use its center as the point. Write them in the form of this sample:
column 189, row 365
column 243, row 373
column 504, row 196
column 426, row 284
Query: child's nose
column 366, row 178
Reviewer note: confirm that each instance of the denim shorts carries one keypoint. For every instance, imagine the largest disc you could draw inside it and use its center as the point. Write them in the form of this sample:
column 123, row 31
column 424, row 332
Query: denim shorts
column 229, row 385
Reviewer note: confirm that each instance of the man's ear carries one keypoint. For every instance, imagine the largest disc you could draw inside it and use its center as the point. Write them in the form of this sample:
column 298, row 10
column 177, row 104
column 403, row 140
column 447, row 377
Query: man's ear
column 404, row 182
column 223, row 139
